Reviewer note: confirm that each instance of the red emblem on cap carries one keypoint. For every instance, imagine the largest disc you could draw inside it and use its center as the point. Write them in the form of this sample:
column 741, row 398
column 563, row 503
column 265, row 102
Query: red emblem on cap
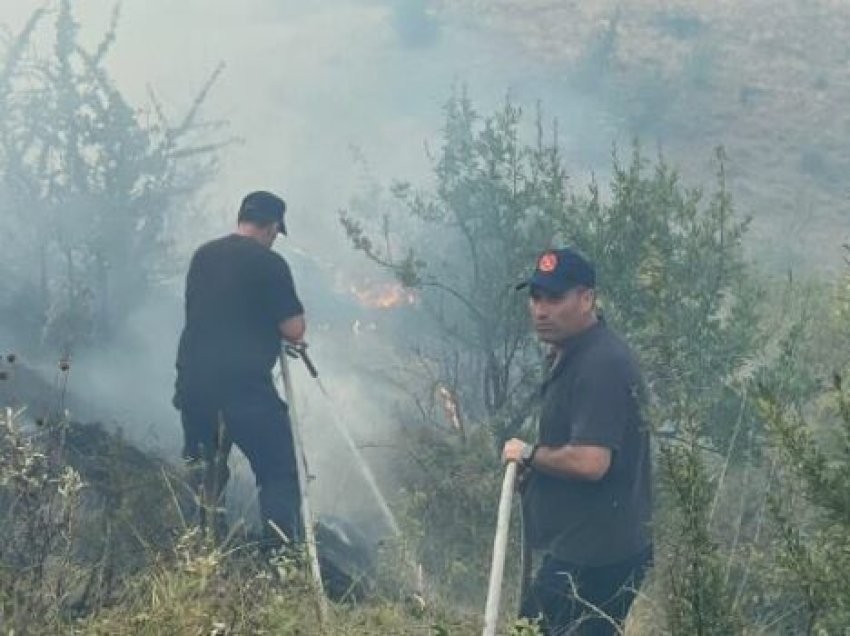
column 547, row 263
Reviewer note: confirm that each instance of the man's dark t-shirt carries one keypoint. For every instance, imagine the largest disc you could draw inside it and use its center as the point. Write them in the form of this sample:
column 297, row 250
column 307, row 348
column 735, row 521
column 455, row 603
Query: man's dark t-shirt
column 593, row 396
column 237, row 293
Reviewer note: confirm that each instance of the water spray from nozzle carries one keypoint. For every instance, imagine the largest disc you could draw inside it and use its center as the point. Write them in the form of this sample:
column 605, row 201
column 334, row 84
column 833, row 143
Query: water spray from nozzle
column 299, row 350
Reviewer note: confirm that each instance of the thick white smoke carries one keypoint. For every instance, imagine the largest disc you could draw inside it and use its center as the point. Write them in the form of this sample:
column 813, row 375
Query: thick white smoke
column 320, row 94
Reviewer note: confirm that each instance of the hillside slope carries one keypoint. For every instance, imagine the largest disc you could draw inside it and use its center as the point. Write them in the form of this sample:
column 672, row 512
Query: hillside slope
column 767, row 79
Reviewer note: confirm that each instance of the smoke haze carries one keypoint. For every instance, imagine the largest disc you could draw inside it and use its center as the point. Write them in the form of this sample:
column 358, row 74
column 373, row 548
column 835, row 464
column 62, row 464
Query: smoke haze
column 324, row 96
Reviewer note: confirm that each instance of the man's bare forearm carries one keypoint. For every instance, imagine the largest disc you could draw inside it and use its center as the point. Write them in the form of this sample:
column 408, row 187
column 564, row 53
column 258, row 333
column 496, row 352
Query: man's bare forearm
column 571, row 461
column 588, row 463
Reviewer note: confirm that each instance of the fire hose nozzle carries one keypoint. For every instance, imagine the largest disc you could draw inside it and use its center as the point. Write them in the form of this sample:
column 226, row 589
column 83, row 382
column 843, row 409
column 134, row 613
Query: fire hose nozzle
column 299, row 350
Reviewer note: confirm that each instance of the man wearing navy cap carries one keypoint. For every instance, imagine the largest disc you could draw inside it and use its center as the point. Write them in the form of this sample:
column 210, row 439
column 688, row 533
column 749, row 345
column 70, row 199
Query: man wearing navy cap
column 586, row 482
column 240, row 303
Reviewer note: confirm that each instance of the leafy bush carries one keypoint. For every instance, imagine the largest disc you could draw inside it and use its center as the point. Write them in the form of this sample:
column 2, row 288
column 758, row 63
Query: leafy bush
column 812, row 513
column 89, row 185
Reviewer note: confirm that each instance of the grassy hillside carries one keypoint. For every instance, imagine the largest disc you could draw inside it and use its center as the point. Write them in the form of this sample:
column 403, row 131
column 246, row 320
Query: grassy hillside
column 768, row 79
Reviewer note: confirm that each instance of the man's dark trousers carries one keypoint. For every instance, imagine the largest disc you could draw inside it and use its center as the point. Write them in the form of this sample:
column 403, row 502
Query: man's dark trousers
column 257, row 421
column 611, row 589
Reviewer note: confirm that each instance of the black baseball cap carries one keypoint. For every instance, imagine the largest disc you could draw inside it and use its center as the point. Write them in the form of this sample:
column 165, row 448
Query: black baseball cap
column 561, row 270
column 263, row 208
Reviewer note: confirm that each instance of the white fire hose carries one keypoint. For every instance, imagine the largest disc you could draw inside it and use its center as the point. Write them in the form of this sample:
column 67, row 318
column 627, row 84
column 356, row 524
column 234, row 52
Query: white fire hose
column 500, row 546
column 303, row 478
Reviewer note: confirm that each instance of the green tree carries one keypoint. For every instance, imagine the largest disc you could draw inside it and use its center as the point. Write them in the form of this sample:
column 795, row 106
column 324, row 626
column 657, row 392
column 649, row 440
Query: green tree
column 91, row 186
column 672, row 279
column 465, row 244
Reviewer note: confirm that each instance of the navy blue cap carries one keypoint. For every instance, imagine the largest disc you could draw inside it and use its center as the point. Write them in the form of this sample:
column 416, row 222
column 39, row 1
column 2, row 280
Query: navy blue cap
column 263, row 207
column 560, row 270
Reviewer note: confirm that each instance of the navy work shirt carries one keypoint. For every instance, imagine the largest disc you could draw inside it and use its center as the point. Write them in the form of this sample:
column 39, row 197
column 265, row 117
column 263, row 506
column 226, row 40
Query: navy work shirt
column 593, row 396
column 237, row 294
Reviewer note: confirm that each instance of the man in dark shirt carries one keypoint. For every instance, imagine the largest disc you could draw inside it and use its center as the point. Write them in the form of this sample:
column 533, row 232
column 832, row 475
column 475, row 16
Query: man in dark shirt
column 586, row 483
column 240, row 303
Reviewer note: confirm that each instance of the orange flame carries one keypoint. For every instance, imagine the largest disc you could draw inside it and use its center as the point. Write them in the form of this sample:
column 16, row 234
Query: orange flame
column 384, row 296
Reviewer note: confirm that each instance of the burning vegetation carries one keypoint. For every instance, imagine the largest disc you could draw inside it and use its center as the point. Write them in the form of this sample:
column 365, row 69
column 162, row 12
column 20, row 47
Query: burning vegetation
column 390, row 295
